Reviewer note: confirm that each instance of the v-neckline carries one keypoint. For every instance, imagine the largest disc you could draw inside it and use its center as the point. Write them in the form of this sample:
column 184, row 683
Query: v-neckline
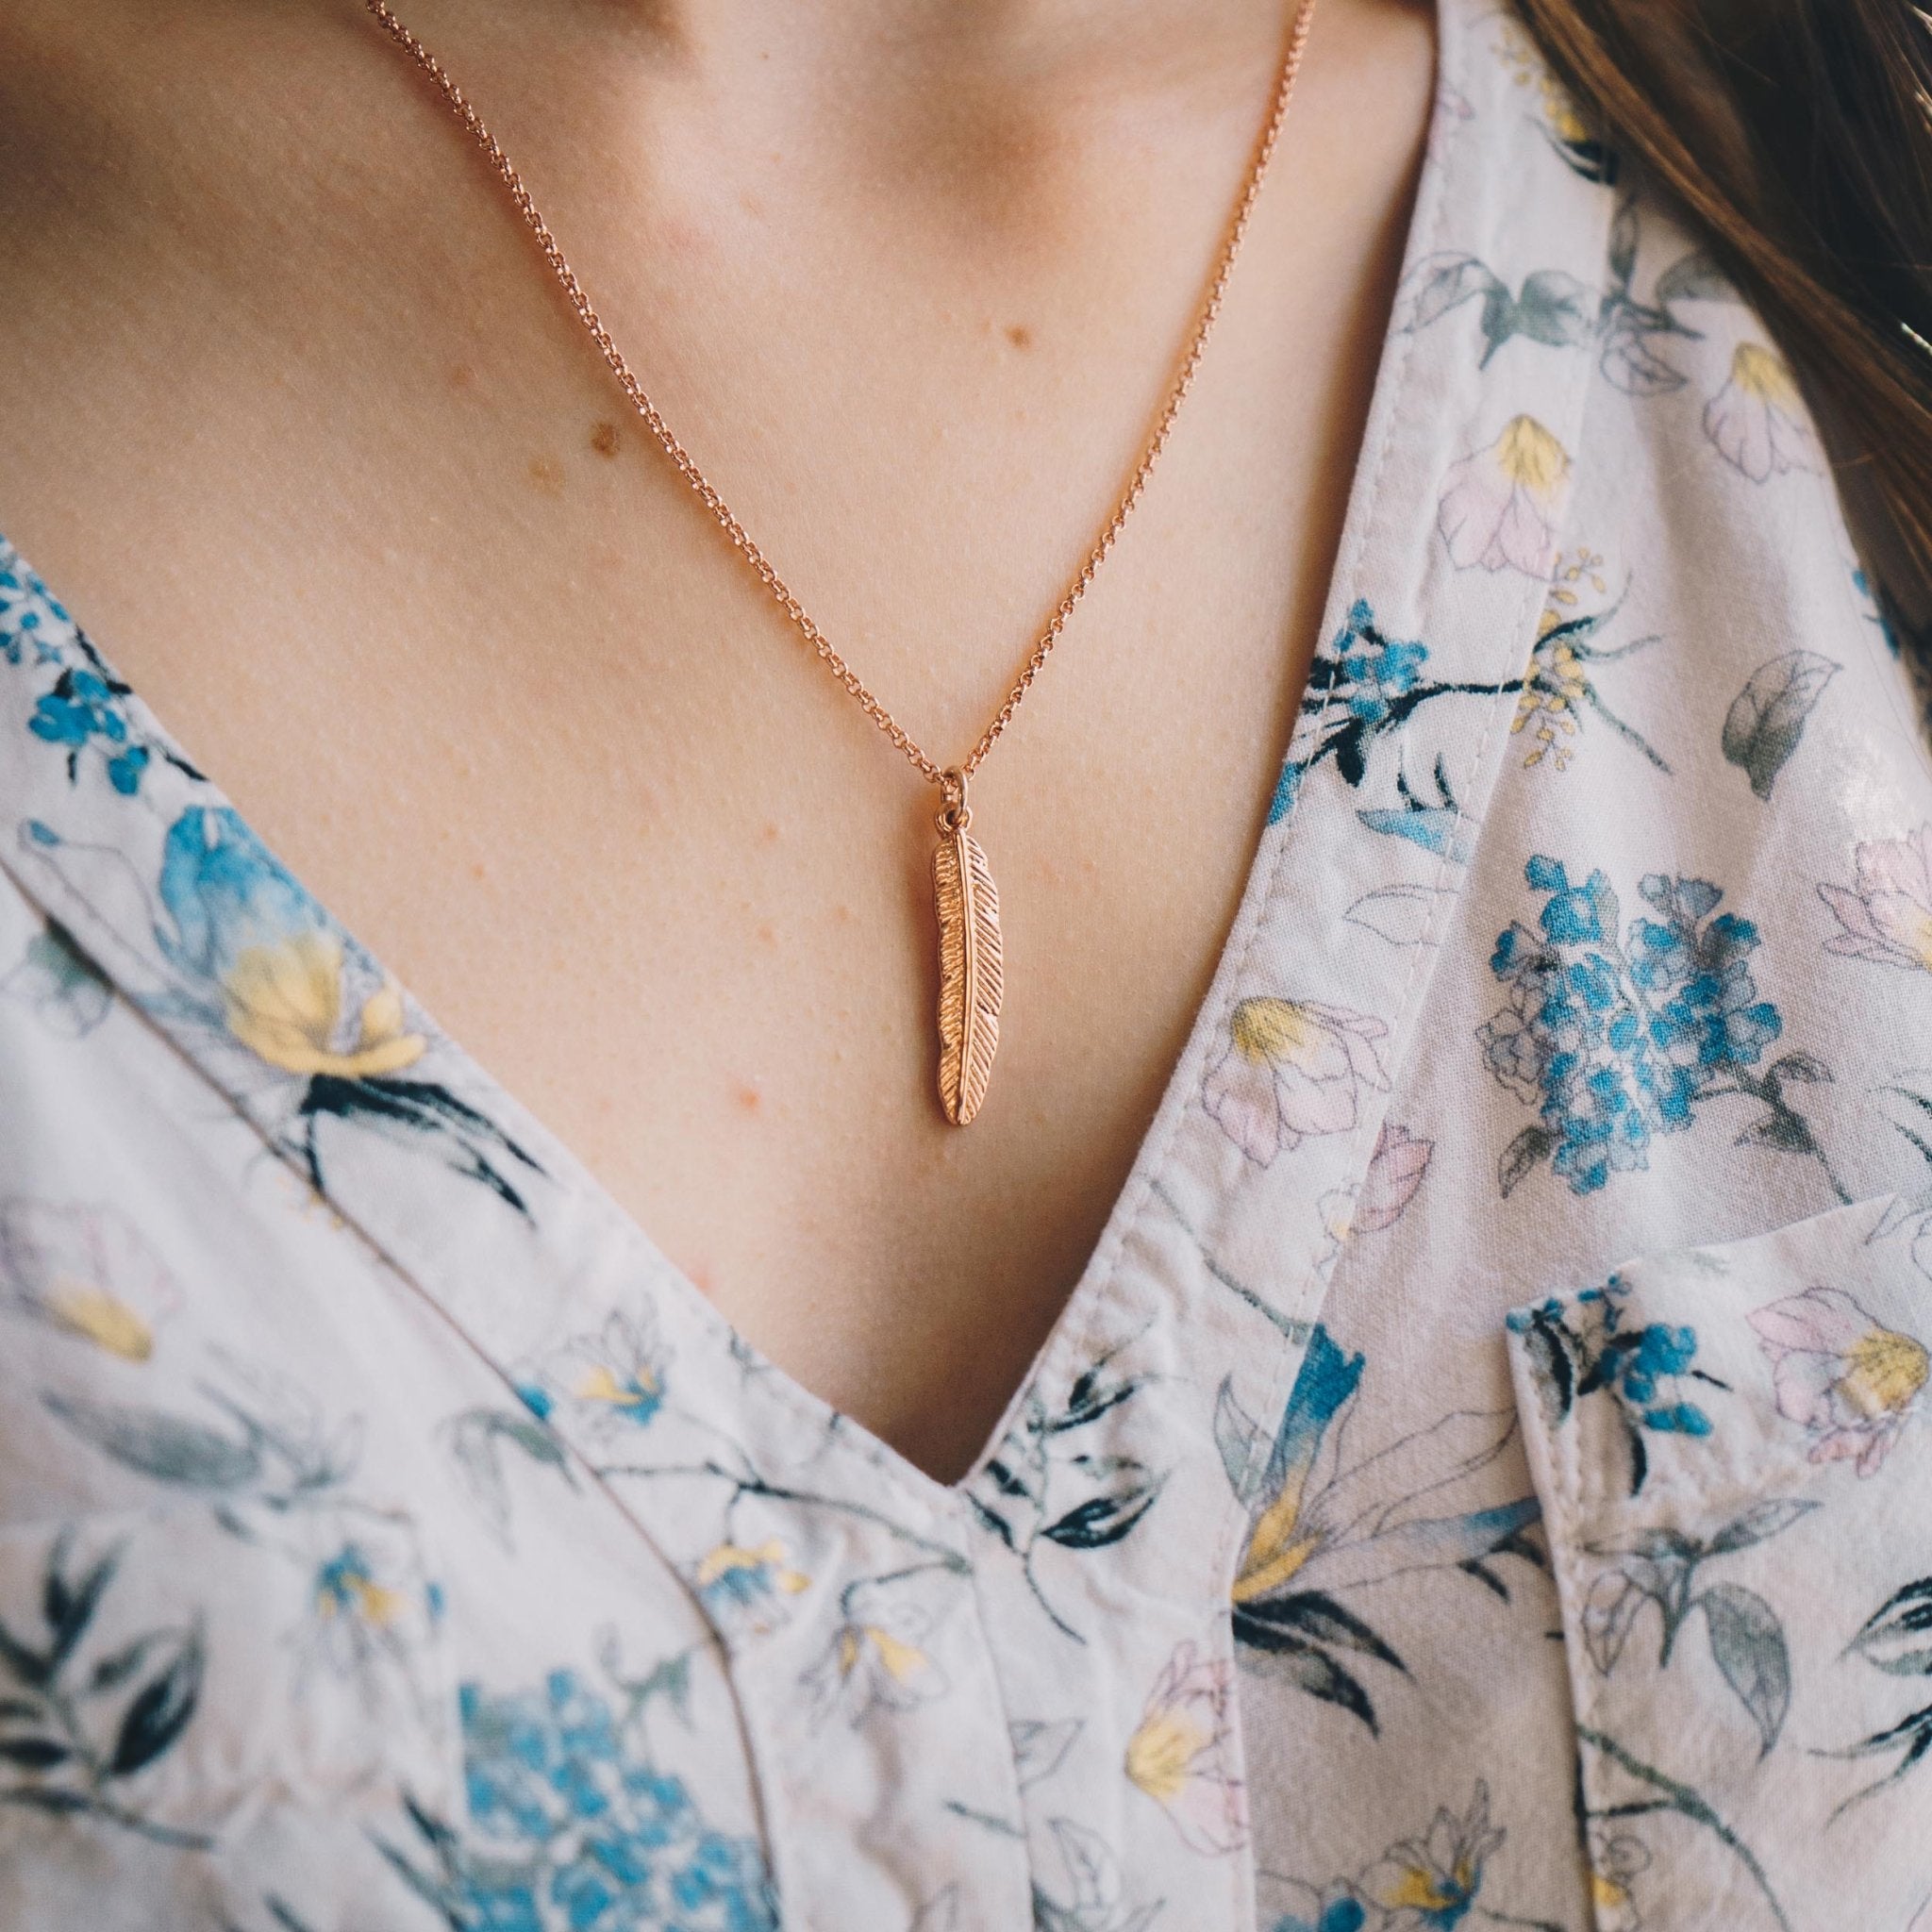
column 101, row 811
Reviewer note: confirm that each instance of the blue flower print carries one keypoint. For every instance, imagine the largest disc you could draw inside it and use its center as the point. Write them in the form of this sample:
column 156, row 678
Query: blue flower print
column 1373, row 669
column 1661, row 1351
column 1286, row 788
column 744, row 1589
column 1586, row 1348
column 86, row 709
column 1322, row 1525
column 1364, row 685
column 1337, row 1915
column 30, row 617
column 82, row 706
column 608, row 1382
column 229, row 900
column 1621, row 1033
column 573, row 1828
column 1429, row 1883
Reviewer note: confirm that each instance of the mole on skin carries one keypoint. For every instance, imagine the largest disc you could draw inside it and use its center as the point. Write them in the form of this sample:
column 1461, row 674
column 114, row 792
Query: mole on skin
column 603, row 439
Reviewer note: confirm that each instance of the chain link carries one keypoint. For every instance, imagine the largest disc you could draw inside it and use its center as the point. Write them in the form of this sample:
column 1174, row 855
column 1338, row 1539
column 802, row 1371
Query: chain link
column 726, row 518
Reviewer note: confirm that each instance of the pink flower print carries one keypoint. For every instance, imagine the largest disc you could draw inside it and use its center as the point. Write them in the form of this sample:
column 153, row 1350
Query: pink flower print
column 1400, row 1159
column 1182, row 1754
column 1756, row 421
column 1292, row 1070
column 1887, row 915
column 1847, row 1381
column 1499, row 507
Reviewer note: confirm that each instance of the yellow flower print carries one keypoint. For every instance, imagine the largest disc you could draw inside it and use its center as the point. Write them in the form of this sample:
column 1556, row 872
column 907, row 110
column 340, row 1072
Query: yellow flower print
column 345, row 1588
column 879, row 1656
column 1615, row 1862
column 85, row 1271
column 1569, row 132
column 1757, row 422
column 101, row 1318
column 900, row 1662
column 744, row 1587
column 1850, row 1382
column 1530, row 456
column 610, row 1382
column 284, row 1002
column 373, row 1611
column 1884, row 1372
column 1551, row 704
column 250, row 953
column 1181, row 1754
column 1759, row 372
column 599, row 1383
column 1292, row 1068
column 1321, row 1526
column 1555, row 686
column 1499, row 507
column 1434, row 1880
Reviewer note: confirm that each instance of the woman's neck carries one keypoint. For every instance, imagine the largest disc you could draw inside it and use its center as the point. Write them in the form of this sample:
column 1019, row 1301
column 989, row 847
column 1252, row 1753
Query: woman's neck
column 882, row 69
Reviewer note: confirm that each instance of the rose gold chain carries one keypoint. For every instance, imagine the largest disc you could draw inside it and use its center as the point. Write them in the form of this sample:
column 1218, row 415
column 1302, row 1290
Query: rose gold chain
column 947, row 778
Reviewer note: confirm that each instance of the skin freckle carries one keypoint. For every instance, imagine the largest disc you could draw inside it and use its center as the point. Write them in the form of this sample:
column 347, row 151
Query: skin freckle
column 462, row 375
column 546, row 474
column 1020, row 335
column 603, row 439
column 768, row 934
column 748, row 1097
column 770, row 832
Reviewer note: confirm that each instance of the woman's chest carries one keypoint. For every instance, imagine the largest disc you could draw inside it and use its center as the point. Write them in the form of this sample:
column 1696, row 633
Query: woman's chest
column 392, row 558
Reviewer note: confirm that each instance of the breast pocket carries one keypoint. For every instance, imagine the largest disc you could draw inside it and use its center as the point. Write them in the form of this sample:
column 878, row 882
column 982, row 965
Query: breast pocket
column 209, row 1713
column 1732, row 1453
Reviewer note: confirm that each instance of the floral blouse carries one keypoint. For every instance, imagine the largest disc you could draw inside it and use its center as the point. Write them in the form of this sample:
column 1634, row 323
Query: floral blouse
column 1483, row 1477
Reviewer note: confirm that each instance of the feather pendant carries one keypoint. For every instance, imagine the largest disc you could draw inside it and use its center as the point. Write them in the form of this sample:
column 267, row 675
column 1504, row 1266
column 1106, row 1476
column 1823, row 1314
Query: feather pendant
column 969, row 972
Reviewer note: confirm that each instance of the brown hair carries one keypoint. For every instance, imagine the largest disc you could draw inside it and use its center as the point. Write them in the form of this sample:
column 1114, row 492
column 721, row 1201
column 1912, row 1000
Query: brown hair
column 1799, row 132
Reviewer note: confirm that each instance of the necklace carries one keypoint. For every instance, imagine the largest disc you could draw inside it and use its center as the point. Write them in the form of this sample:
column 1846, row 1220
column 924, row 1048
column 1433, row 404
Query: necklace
column 971, row 968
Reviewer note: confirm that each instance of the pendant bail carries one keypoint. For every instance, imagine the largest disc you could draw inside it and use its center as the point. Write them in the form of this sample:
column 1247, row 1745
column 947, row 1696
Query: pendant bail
column 953, row 814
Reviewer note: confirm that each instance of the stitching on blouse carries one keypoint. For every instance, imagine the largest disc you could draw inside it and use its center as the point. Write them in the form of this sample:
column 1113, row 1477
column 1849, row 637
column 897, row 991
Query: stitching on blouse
column 1585, row 1690
column 1266, row 889
column 1311, row 1294
column 1010, row 1757
column 1450, row 54
column 1684, row 1496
